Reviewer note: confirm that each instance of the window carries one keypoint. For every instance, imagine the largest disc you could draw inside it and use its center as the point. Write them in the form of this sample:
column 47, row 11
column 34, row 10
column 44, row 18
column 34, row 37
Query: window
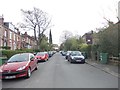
column 5, row 33
column 15, row 46
column 10, row 42
column 14, row 37
column 10, row 35
column 5, row 43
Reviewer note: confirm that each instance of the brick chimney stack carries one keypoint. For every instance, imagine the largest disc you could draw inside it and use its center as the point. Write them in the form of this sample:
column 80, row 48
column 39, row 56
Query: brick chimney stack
column 1, row 20
column 26, row 33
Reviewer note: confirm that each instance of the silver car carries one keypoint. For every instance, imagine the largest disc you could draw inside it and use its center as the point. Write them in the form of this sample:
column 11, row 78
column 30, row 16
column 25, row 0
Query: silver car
column 76, row 56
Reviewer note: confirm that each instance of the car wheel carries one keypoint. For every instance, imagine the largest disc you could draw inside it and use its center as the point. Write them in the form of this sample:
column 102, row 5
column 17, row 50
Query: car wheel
column 70, row 61
column 36, row 67
column 83, row 62
column 37, row 61
column 28, row 73
column 66, row 57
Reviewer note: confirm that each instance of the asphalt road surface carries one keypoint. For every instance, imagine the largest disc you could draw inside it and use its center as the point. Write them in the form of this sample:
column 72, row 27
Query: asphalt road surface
column 59, row 73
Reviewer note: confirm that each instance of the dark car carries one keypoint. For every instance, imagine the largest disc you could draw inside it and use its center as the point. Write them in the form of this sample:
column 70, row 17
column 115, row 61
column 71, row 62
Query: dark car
column 50, row 53
column 67, row 54
column 63, row 53
column 76, row 56
column 19, row 65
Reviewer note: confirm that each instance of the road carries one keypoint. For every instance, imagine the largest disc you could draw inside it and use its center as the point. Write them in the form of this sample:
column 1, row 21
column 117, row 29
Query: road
column 59, row 73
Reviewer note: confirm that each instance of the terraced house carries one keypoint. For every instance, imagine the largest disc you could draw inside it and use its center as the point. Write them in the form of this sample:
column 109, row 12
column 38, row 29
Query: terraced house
column 11, row 37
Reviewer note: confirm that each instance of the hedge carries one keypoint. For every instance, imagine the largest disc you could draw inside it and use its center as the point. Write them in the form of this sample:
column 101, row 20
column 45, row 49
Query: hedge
column 6, row 47
column 9, row 53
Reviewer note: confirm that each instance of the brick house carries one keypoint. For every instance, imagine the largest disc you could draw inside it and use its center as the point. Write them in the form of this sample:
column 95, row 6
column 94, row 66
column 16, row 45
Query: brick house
column 88, row 37
column 28, row 41
column 10, row 36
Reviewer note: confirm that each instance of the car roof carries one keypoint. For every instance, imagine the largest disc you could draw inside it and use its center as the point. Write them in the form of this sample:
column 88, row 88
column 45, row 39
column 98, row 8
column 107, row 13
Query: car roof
column 23, row 53
column 75, row 51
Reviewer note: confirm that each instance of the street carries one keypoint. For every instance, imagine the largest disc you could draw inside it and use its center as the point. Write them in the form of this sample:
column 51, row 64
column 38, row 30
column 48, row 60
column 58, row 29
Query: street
column 57, row 72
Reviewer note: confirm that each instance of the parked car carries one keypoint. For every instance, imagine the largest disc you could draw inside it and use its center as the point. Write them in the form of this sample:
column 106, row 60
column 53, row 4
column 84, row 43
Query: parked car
column 42, row 56
column 47, row 55
column 67, row 54
column 76, row 56
column 19, row 65
column 63, row 53
column 50, row 53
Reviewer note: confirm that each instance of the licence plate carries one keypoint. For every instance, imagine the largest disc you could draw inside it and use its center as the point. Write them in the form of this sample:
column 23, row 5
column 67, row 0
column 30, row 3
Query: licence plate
column 10, row 77
column 78, row 60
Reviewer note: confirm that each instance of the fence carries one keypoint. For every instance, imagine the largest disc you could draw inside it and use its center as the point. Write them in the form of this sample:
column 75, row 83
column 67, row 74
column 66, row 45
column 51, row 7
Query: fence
column 114, row 60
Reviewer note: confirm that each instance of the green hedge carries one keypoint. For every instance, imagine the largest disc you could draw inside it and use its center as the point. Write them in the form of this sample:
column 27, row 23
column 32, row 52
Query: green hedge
column 2, row 60
column 6, row 47
column 9, row 53
column 6, row 54
column 26, row 50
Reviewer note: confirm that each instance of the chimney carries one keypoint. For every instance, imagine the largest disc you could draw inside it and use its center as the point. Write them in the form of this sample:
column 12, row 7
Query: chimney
column 25, row 33
column 1, row 20
column 18, row 32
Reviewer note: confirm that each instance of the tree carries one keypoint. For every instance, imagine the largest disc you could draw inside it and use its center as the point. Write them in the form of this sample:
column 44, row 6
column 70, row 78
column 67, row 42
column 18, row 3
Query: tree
column 50, row 37
column 72, row 44
column 44, row 46
column 65, row 35
column 108, row 39
column 36, row 20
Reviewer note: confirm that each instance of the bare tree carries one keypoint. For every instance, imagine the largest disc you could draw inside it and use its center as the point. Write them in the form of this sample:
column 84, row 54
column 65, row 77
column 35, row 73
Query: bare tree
column 65, row 35
column 36, row 20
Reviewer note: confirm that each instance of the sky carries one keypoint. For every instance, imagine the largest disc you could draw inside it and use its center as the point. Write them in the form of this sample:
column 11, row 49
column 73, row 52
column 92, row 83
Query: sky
column 76, row 16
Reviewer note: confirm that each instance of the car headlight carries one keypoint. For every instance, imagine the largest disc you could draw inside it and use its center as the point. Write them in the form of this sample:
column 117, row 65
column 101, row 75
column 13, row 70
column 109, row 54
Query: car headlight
column 72, row 57
column 83, row 57
column 21, row 68
column 1, row 70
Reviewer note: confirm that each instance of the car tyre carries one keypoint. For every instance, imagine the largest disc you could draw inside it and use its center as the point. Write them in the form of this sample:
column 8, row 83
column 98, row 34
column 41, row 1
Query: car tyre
column 28, row 73
column 45, row 60
column 83, row 61
column 36, row 67
column 70, row 61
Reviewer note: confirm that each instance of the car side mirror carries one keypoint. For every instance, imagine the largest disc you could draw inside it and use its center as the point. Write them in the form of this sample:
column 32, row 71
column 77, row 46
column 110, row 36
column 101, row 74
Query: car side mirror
column 32, row 58
column 34, row 54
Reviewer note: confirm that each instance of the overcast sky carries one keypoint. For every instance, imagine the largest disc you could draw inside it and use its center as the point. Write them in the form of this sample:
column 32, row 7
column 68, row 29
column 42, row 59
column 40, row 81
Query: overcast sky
column 77, row 16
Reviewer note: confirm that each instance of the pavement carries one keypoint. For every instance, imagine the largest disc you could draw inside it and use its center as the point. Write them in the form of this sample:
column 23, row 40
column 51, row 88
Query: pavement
column 108, row 68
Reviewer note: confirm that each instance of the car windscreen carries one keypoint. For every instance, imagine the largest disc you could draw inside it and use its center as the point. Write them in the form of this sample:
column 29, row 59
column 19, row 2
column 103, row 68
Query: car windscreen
column 68, row 52
column 40, row 54
column 19, row 58
column 76, row 54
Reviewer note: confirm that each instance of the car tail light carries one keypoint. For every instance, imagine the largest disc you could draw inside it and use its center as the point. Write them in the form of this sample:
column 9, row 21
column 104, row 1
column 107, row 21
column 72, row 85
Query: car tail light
column 44, row 56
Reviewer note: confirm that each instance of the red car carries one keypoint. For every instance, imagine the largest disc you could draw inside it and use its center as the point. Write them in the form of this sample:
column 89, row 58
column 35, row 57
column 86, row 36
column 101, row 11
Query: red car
column 42, row 56
column 19, row 65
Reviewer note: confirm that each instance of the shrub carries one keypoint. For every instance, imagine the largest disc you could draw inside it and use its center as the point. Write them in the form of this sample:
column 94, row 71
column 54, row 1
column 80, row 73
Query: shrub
column 86, row 49
column 9, row 53
column 6, row 47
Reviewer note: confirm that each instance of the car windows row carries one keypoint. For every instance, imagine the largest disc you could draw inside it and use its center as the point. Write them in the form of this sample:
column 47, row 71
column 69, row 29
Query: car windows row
column 18, row 57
